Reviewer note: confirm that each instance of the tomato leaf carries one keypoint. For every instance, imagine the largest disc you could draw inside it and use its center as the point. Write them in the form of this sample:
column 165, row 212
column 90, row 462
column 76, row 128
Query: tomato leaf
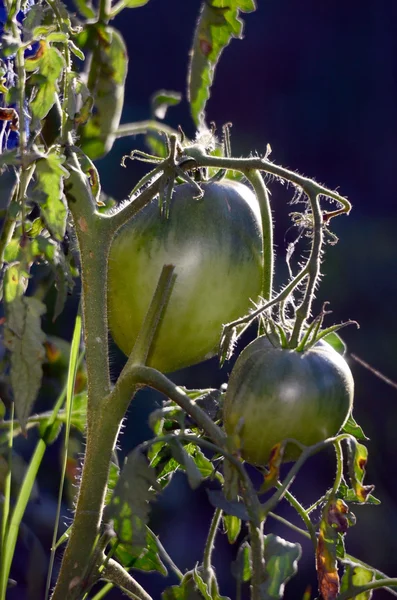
column 48, row 64
column 349, row 495
column 85, row 8
column 357, row 460
column 334, row 340
column 354, row 429
column 48, row 193
column 275, row 461
column 147, row 559
column 356, row 576
column 162, row 100
column 187, row 462
column 241, row 568
column 129, row 505
column 106, row 83
column 281, row 563
column 326, row 560
column 232, row 527
column 135, row 3
column 79, row 412
column 234, row 508
column 216, row 25
column 24, row 339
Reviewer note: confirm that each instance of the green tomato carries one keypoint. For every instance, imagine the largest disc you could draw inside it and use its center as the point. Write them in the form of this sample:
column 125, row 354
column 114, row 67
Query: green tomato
column 215, row 243
column 274, row 394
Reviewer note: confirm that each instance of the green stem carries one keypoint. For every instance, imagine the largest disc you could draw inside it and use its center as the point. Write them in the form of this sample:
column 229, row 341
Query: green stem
column 258, row 562
column 256, row 180
column 246, row 164
column 303, row 515
column 117, row 575
column 314, row 265
column 139, row 374
column 166, row 557
column 101, row 438
column 306, row 453
column 104, row 413
column 208, row 571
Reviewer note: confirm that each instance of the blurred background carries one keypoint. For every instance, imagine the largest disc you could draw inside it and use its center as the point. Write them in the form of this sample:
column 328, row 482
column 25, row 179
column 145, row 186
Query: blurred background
column 318, row 82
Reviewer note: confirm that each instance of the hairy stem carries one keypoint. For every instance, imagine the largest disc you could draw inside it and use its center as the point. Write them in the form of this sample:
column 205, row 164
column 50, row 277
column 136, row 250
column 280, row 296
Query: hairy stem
column 139, row 374
column 314, row 263
column 208, row 574
column 115, row 573
column 373, row 585
column 256, row 180
column 258, row 562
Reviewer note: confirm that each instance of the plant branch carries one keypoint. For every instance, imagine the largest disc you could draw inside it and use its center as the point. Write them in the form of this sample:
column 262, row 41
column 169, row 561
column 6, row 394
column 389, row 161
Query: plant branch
column 141, row 375
column 256, row 180
column 303, row 515
column 208, row 571
column 270, row 504
column 166, row 557
column 373, row 585
column 302, row 313
column 246, row 164
column 117, row 575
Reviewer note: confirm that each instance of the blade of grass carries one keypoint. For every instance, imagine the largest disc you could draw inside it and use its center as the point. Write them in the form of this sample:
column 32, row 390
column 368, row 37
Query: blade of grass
column 102, row 593
column 74, row 361
column 11, row 533
column 7, row 492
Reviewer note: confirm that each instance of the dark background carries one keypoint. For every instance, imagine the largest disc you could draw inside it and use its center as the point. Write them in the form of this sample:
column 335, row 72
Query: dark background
column 318, row 81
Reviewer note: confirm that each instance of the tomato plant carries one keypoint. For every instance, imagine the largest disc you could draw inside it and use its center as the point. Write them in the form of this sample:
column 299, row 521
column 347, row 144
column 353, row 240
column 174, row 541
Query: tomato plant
column 215, row 243
column 275, row 394
column 177, row 271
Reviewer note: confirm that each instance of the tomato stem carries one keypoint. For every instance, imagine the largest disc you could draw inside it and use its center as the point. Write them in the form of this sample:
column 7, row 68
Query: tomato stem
column 208, row 572
column 313, row 267
column 256, row 180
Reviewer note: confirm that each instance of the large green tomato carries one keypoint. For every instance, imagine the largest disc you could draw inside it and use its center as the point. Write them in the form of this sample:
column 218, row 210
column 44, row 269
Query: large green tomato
column 274, row 394
column 215, row 243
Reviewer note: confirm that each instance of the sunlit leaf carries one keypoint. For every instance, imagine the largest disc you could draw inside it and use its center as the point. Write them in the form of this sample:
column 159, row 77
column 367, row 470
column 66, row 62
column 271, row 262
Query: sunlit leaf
column 129, row 506
column 274, row 464
column 334, row 340
column 135, row 3
column 349, row 495
column 232, row 526
column 326, row 558
column 48, row 64
column 241, row 568
column 184, row 459
column 356, row 576
column 216, row 25
column 354, row 429
column 147, row 559
column 24, row 339
column 162, row 100
column 357, row 461
column 281, row 563
column 106, row 83
column 48, row 192
column 85, row 8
